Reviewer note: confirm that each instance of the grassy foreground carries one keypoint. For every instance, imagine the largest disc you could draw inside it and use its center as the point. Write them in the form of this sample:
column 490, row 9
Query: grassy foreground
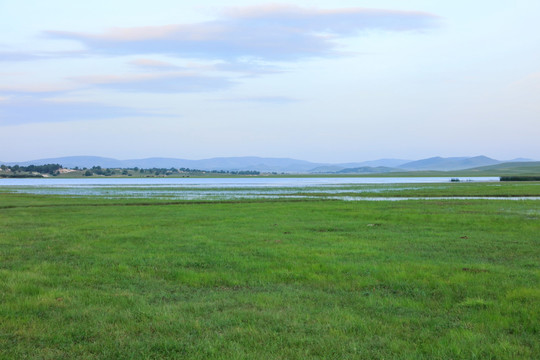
column 112, row 279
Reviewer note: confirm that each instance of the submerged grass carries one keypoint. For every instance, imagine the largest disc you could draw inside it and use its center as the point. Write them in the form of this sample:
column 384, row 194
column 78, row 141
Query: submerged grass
column 98, row 278
column 464, row 189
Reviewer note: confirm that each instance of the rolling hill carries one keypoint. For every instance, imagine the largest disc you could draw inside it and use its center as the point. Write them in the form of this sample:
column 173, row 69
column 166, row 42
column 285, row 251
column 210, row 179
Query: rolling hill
column 287, row 165
column 510, row 168
column 451, row 163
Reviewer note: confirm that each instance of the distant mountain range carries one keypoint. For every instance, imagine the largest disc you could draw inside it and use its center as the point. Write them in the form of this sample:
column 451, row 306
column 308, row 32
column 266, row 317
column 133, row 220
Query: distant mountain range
column 280, row 165
column 452, row 163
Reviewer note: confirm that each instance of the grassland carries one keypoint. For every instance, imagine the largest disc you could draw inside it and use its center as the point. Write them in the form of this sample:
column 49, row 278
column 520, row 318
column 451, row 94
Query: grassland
column 98, row 278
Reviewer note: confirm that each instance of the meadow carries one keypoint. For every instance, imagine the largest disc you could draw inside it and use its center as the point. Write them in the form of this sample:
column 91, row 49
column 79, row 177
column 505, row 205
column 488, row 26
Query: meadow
column 99, row 278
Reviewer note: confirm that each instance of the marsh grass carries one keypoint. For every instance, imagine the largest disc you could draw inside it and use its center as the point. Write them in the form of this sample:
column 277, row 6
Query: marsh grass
column 351, row 192
column 122, row 279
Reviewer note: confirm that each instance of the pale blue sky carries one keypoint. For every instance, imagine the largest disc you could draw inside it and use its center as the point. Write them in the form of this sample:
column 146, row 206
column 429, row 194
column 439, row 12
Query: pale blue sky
column 331, row 81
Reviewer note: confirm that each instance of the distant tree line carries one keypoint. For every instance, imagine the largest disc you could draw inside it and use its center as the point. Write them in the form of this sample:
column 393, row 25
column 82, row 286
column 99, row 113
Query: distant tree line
column 241, row 172
column 519, row 178
column 98, row 170
column 51, row 169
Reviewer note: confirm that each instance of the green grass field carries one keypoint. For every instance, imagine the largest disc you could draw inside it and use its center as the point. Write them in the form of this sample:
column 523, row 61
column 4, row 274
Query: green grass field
column 95, row 278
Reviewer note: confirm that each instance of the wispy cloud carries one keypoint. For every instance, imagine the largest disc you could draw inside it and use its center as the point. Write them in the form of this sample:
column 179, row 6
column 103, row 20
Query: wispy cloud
column 274, row 32
column 248, row 68
column 24, row 110
column 28, row 55
column 38, row 89
column 176, row 82
column 278, row 100
column 160, row 82
column 20, row 56
column 241, row 42
column 152, row 64
column 244, row 68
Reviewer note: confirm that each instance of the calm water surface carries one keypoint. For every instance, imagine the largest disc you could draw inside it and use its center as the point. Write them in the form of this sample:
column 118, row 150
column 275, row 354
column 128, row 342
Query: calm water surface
column 234, row 182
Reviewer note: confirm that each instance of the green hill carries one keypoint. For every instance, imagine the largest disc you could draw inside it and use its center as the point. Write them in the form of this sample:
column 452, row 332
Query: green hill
column 510, row 168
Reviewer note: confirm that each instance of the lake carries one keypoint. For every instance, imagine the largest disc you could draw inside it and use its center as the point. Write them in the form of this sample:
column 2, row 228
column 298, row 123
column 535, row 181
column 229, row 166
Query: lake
column 236, row 182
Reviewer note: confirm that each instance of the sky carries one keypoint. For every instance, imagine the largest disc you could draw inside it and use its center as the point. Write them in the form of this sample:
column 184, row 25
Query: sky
column 326, row 81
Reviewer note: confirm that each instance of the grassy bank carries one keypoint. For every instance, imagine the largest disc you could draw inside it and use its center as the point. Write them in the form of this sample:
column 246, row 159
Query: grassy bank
column 98, row 278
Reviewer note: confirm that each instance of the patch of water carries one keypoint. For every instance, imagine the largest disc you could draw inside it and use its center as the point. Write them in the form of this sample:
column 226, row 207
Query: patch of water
column 237, row 182
column 192, row 193
column 182, row 193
